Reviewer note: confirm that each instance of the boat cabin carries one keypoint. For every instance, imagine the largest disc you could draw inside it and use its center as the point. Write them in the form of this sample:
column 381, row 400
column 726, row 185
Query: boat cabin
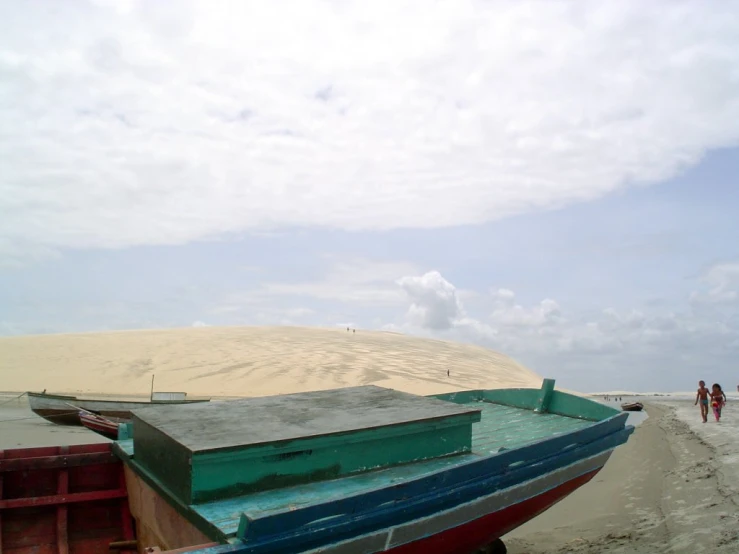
column 203, row 452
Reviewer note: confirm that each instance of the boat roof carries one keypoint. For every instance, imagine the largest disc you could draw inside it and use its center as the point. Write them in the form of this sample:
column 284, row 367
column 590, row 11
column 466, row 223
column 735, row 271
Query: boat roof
column 273, row 419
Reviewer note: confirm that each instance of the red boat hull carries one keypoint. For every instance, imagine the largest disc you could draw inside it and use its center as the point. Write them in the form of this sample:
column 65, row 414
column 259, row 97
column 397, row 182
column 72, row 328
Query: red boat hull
column 478, row 533
column 101, row 426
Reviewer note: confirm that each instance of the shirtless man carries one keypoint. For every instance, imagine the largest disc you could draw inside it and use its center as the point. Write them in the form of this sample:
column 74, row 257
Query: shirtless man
column 702, row 396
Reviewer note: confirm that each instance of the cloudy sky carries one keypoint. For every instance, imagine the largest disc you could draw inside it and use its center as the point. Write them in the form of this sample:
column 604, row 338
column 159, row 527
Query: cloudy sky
column 555, row 180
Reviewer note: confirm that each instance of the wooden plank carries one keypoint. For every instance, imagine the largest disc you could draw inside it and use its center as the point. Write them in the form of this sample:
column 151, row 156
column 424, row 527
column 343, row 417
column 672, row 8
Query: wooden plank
column 125, row 513
column 545, row 396
column 62, row 537
column 159, row 523
column 569, row 405
column 508, row 427
column 56, row 461
column 460, row 397
column 60, row 499
column 196, row 548
column 41, row 451
column 518, row 398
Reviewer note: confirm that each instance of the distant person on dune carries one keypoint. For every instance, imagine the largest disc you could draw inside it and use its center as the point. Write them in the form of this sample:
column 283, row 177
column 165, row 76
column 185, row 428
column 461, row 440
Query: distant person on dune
column 718, row 399
column 702, row 397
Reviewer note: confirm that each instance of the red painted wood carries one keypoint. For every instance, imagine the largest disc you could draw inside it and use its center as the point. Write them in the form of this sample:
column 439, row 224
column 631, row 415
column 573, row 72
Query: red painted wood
column 41, row 451
column 53, row 507
column 2, row 456
column 100, row 425
column 195, row 548
column 51, row 462
column 62, row 539
column 481, row 532
column 126, row 517
column 61, row 499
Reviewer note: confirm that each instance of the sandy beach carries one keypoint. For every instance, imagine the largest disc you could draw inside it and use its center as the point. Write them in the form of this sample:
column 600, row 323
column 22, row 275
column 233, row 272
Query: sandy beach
column 674, row 487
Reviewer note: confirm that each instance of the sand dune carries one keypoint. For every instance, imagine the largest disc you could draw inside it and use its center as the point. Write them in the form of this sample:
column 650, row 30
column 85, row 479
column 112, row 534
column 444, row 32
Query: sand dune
column 250, row 361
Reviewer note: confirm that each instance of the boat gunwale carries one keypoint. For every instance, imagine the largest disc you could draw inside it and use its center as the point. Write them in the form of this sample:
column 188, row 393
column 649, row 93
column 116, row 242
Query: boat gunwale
column 486, row 473
column 378, row 517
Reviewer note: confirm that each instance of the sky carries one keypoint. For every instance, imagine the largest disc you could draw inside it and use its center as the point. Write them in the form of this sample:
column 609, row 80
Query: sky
column 558, row 181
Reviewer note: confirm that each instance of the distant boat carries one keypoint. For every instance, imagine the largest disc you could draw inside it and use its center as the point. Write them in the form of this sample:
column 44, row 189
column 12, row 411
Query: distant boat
column 632, row 406
column 64, row 410
column 105, row 426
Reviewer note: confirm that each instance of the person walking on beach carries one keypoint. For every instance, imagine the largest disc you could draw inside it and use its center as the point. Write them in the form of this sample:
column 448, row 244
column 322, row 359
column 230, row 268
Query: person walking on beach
column 718, row 399
column 702, row 397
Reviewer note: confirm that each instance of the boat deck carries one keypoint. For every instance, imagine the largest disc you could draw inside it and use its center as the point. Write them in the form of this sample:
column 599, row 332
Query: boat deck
column 506, row 427
column 501, row 427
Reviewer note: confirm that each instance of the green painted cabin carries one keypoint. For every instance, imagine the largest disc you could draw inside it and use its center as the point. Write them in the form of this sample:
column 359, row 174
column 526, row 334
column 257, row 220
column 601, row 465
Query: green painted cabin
column 202, row 452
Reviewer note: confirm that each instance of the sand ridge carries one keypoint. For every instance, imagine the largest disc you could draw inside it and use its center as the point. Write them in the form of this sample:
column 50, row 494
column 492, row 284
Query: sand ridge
column 250, row 361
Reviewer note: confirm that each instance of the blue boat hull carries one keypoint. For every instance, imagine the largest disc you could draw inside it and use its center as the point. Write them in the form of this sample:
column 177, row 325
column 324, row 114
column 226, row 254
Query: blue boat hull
column 397, row 517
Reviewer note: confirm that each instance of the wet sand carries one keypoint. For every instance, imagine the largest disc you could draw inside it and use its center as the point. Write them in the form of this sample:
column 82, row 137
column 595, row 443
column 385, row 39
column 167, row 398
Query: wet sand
column 21, row 428
column 674, row 487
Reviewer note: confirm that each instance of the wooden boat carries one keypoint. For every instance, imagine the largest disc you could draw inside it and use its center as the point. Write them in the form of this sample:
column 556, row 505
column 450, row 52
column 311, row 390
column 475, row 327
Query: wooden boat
column 356, row 470
column 632, row 406
column 64, row 410
column 64, row 499
column 105, row 426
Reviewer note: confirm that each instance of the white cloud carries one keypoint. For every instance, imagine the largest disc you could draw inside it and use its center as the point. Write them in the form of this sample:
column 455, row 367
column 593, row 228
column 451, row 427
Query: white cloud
column 159, row 123
column 508, row 312
column 434, row 302
column 629, row 344
column 358, row 280
column 722, row 281
column 356, row 283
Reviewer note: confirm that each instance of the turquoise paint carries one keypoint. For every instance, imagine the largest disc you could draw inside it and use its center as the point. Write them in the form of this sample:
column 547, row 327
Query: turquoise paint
column 545, row 396
column 556, row 402
column 226, row 474
column 227, row 512
column 462, row 397
column 166, row 459
column 570, row 405
column 125, row 431
column 504, row 427
column 517, row 398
